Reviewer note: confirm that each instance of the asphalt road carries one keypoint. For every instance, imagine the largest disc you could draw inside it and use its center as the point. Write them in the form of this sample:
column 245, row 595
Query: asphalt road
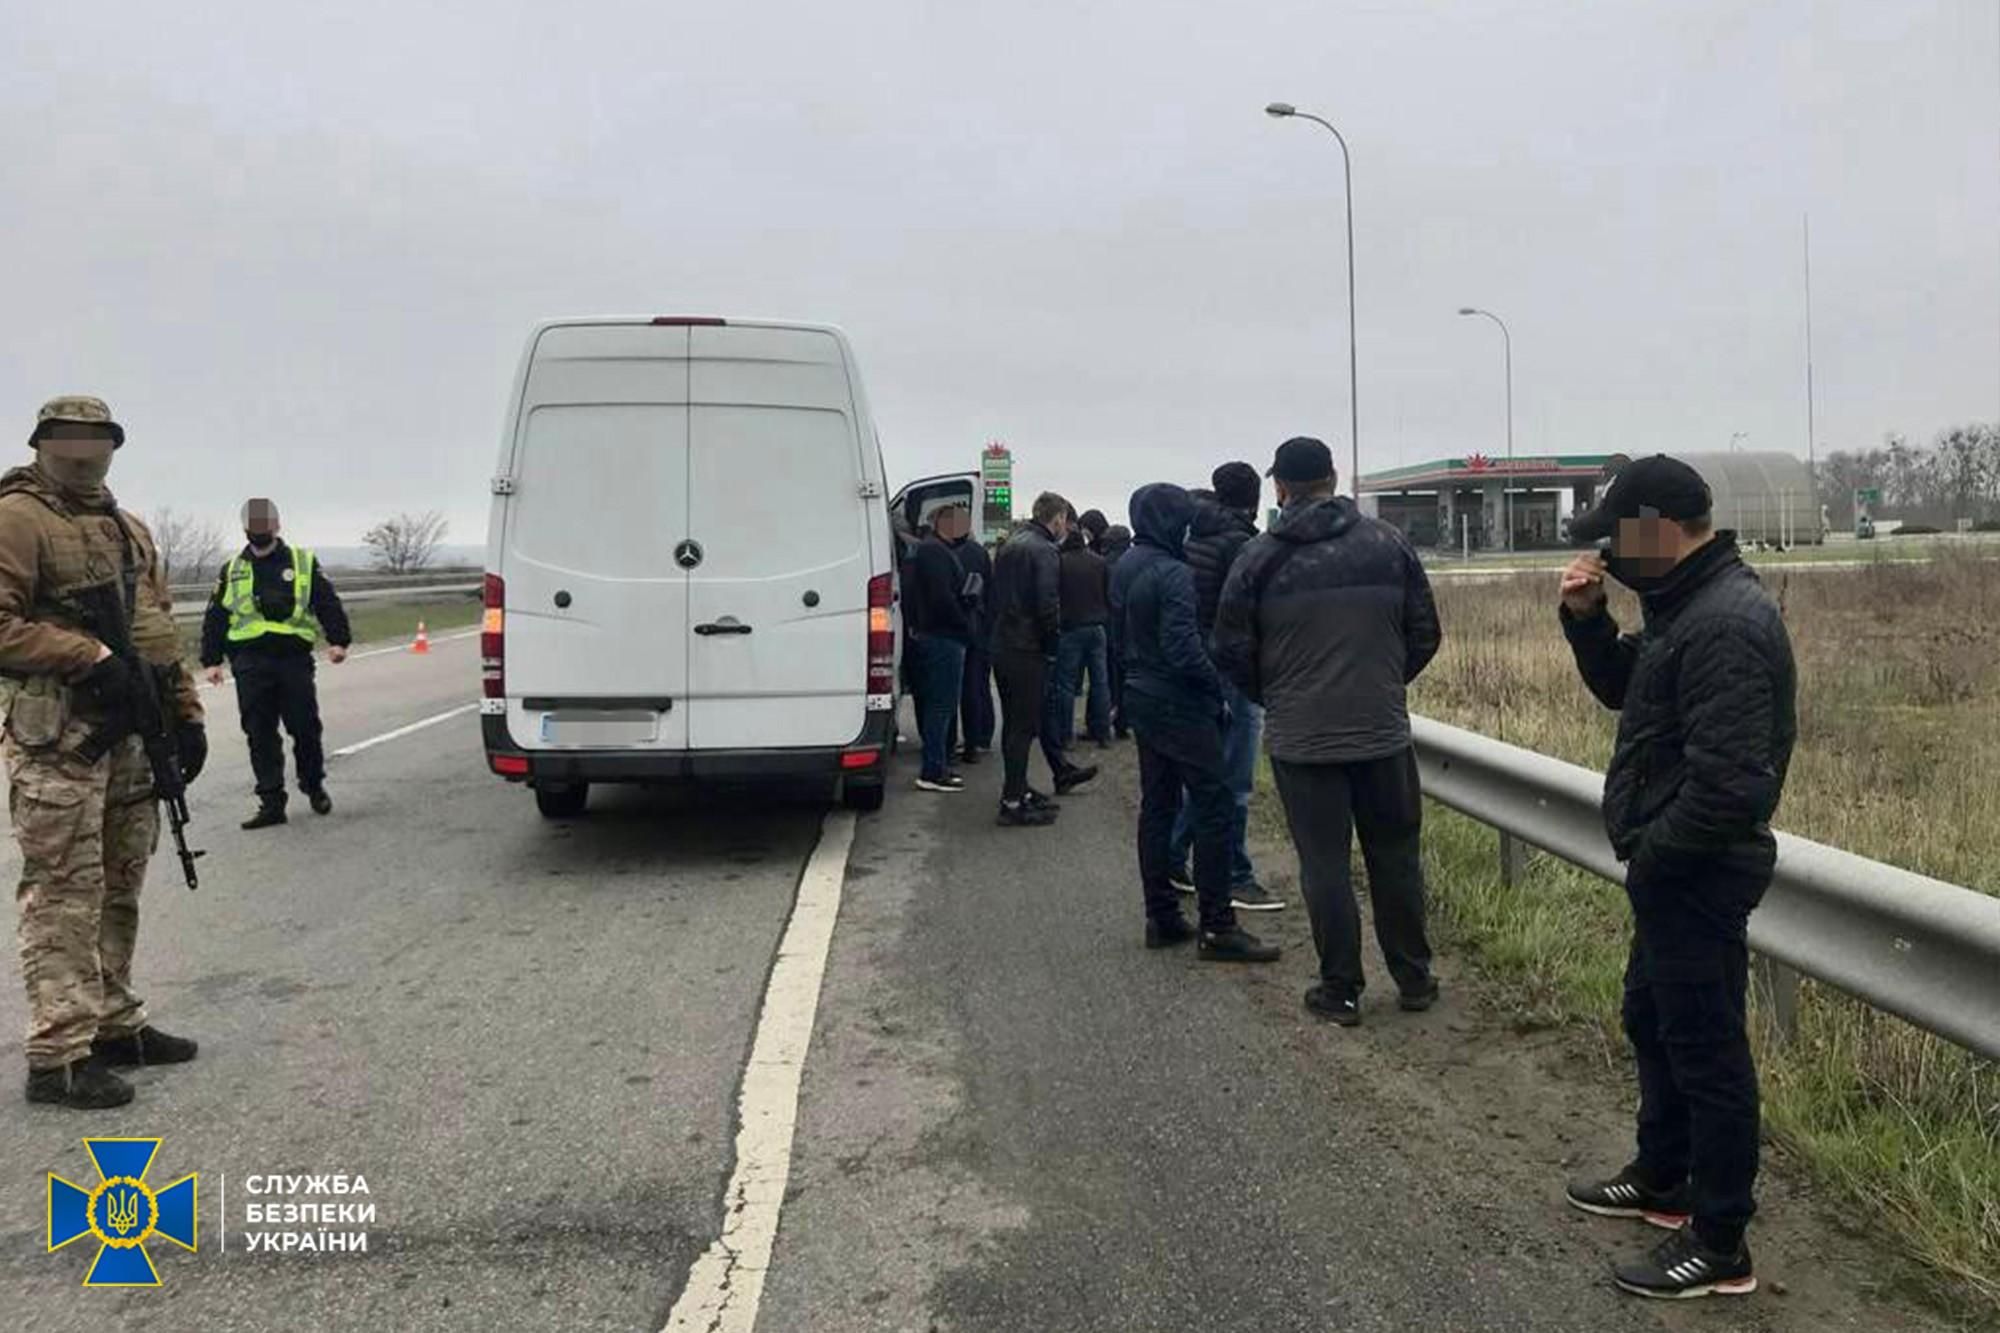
column 529, row 1038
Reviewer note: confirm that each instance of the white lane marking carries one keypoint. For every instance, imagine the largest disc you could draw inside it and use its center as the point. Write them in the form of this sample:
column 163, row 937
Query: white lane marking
column 727, row 1282
column 374, row 741
column 379, row 652
column 404, row 647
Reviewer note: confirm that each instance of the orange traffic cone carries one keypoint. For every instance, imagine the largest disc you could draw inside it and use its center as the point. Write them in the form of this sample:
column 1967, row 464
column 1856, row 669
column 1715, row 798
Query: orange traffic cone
column 423, row 642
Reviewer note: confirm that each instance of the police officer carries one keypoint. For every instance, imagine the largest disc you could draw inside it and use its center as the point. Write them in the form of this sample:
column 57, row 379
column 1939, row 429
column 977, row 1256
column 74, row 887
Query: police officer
column 270, row 605
column 86, row 827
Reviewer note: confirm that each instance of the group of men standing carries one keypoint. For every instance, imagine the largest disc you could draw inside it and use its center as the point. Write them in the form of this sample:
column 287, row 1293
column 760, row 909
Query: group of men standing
column 79, row 574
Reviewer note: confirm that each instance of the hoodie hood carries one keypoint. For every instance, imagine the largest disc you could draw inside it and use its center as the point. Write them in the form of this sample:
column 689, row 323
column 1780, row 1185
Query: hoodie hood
column 1316, row 520
column 1161, row 513
column 1073, row 540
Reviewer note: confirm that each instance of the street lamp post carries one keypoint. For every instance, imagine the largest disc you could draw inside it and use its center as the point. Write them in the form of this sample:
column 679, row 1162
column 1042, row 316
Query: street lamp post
column 1282, row 111
column 1507, row 344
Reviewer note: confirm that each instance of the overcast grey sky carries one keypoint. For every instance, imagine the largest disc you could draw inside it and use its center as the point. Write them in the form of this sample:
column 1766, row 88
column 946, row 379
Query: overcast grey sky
column 299, row 250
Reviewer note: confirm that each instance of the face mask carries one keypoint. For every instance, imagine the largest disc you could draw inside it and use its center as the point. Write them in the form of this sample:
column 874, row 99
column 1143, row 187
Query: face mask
column 261, row 541
column 1641, row 576
column 80, row 476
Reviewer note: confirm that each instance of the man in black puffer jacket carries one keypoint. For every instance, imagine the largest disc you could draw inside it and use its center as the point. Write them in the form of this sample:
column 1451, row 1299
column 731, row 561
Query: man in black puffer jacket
column 1174, row 699
column 1706, row 697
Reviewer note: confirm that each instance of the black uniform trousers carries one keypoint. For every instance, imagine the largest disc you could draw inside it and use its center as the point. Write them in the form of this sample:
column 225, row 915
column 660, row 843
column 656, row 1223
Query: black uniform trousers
column 274, row 688
column 1023, row 681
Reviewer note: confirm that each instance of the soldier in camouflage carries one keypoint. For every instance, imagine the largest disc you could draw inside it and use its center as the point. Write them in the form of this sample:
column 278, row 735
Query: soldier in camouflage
column 86, row 829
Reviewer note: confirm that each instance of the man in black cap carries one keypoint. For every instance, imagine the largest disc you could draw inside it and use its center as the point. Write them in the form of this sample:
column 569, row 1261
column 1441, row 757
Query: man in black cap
column 1705, row 733
column 1324, row 620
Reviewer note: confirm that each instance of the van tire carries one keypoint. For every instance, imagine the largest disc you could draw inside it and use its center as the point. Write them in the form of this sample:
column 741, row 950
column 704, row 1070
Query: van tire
column 864, row 797
column 562, row 800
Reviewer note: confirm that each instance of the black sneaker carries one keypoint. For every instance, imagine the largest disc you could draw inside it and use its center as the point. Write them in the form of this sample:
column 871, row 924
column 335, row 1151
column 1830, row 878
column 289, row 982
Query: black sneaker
column 968, row 755
column 85, row 1085
column 1023, row 815
column 1254, row 897
column 1415, row 1002
column 1627, row 1195
column 147, row 1046
column 1681, row 1268
column 267, row 815
column 1181, row 880
column 1073, row 777
column 1236, row 946
column 1165, row 934
column 321, row 803
column 948, row 783
column 1334, row 1007
column 1040, row 801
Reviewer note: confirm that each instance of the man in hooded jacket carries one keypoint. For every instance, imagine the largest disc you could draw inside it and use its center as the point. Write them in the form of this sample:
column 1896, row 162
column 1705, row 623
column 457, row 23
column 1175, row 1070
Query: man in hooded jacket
column 1174, row 702
column 86, row 826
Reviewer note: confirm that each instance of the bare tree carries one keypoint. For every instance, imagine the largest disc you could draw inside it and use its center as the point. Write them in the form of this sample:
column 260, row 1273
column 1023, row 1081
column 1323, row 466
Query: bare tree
column 191, row 549
column 407, row 543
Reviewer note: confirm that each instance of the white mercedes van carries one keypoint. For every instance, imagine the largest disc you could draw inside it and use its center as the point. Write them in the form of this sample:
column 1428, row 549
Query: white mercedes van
column 691, row 562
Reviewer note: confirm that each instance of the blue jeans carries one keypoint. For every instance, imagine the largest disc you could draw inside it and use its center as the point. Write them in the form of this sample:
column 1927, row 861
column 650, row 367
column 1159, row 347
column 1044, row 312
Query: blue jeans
column 936, row 667
column 1081, row 651
column 1239, row 763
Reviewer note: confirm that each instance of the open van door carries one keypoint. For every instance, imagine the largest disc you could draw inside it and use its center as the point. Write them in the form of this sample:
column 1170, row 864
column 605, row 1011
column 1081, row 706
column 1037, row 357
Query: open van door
column 912, row 507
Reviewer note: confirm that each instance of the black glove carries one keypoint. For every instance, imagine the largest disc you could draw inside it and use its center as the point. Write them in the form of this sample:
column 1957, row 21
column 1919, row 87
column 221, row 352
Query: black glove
column 191, row 741
column 108, row 684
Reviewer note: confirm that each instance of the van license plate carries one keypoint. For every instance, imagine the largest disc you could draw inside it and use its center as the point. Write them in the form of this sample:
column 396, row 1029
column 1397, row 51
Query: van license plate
column 607, row 728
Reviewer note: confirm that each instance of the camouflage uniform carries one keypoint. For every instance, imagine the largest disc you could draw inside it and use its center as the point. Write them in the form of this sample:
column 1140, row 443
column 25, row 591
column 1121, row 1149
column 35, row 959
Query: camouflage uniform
column 86, row 830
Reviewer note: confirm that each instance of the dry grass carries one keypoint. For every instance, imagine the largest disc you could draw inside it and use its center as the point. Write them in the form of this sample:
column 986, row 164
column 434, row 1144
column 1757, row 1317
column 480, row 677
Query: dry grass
column 1898, row 759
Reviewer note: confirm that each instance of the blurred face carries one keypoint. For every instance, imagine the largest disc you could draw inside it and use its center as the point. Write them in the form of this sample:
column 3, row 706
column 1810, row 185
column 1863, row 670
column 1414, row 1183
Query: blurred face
column 260, row 523
column 75, row 455
column 1059, row 526
column 952, row 524
column 1650, row 545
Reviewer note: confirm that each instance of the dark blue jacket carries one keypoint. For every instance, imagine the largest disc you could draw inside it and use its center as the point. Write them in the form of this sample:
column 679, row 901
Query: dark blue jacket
column 1167, row 670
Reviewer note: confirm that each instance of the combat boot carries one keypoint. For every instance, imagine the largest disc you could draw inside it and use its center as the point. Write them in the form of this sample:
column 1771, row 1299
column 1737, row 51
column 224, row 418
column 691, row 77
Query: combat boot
column 82, row 1085
column 268, row 813
column 147, row 1046
column 321, row 803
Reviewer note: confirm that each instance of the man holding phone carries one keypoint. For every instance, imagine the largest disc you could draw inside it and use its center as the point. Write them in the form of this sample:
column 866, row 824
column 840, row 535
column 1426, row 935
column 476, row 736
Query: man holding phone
column 1705, row 691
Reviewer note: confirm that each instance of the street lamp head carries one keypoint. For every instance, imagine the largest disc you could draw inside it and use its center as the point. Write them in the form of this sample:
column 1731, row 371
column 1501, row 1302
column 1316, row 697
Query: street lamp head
column 1279, row 110
column 1467, row 310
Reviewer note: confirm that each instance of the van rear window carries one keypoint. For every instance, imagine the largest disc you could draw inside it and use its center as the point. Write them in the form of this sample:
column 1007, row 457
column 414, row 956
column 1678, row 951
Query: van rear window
column 603, row 489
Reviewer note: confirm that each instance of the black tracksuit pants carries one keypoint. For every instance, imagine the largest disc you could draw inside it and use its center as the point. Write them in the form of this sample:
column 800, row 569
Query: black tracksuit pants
column 1181, row 754
column 1686, row 987
column 1325, row 804
column 273, row 689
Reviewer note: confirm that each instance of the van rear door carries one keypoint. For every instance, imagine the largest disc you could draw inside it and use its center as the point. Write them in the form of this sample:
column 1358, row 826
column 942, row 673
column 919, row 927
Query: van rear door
column 778, row 605
column 596, row 605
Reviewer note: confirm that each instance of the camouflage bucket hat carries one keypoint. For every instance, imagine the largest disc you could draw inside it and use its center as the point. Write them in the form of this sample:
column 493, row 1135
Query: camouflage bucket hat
column 82, row 410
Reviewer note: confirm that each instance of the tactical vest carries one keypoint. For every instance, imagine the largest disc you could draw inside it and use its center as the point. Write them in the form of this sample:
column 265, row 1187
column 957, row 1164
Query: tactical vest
column 239, row 598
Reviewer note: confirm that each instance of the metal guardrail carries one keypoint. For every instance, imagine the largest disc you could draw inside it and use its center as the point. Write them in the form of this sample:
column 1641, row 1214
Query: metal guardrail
column 349, row 584
column 1914, row 946
column 192, row 607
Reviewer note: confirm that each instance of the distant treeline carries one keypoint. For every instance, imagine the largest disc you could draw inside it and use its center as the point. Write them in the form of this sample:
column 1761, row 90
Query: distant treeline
column 1956, row 475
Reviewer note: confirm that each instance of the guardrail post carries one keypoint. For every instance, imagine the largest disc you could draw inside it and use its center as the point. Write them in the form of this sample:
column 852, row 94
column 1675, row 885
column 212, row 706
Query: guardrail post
column 1777, row 995
column 1513, row 860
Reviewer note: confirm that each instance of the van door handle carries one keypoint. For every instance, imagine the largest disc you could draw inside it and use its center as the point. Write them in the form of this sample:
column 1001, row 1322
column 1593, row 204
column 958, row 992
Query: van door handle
column 726, row 625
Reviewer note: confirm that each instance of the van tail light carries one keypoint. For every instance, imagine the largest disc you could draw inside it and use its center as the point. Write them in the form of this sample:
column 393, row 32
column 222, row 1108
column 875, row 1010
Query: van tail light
column 850, row 760
column 493, row 639
column 510, row 765
column 881, row 645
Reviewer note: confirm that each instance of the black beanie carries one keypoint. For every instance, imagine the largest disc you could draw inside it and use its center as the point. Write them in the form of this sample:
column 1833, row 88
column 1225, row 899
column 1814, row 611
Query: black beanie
column 1237, row 486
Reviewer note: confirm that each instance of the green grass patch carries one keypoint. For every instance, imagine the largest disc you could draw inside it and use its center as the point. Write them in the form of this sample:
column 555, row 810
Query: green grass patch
column 376, row 622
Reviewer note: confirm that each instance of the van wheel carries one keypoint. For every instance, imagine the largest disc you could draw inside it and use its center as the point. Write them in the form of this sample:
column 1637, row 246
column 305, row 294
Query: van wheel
column 865, row 797
column 562, row 800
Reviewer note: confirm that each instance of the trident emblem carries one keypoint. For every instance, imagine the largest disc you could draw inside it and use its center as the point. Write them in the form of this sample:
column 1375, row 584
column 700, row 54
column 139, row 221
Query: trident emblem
column 122, row 1213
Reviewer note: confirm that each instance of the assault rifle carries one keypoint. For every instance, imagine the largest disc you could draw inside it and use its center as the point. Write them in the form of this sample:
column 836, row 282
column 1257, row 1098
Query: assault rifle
column 141, row 715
